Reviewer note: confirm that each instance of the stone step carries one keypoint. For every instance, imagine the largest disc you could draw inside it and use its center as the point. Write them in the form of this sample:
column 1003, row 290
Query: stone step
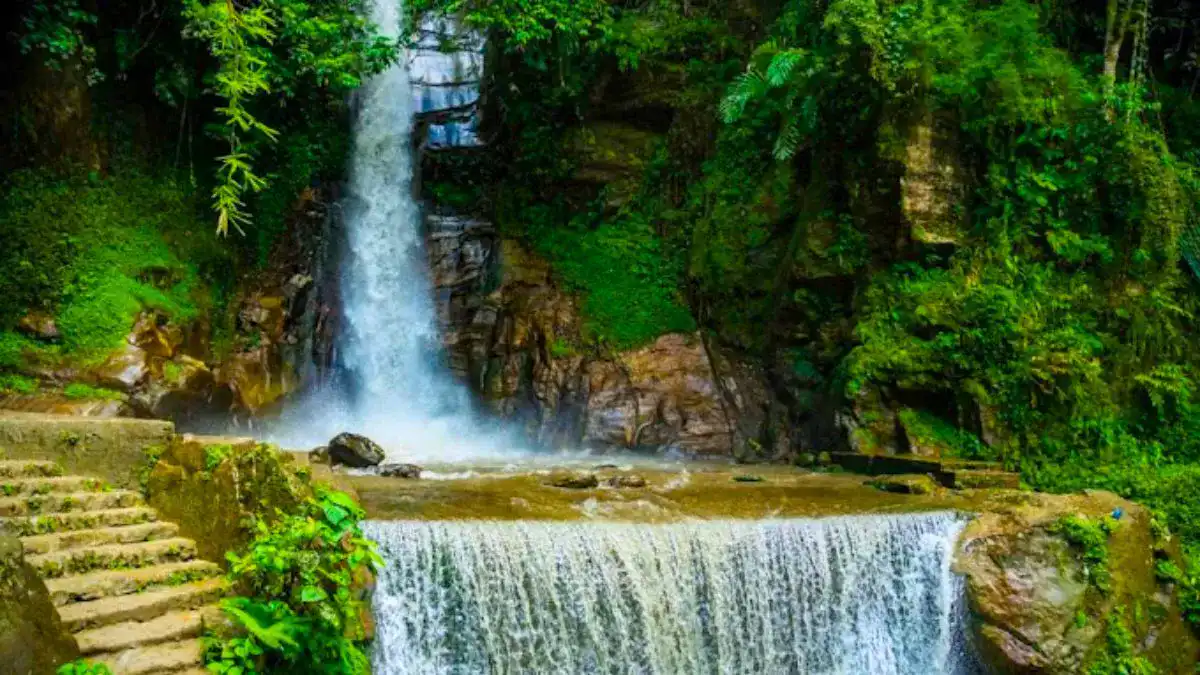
column 114, row 583
column 142, row 606
column 85, row 520
column 987, row 479
column 16, row 468
column 169, row 657
column 118, row 637
column 125, row 534
column 72, row 501
column 113, row 557
column 40, row 486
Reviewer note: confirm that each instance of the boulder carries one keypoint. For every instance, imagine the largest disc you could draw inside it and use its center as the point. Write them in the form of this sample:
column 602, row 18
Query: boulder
column 355, row 451
column 32, row 639
column 39, row 326
column 400, row 471
column 1038, row 606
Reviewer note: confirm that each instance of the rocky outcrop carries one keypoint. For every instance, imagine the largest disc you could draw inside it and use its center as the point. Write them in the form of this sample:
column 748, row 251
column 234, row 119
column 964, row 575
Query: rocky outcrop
column 1044, row 601
column 32, row 638
column 514, row 336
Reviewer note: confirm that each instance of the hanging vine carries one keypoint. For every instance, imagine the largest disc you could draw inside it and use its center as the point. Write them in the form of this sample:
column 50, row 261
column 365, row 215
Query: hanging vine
column 233, row 35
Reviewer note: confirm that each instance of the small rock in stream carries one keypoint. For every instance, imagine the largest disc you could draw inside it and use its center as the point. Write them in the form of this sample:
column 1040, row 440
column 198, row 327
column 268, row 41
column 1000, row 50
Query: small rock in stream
column 573, row 481
column 400, row 471
column 626, row 481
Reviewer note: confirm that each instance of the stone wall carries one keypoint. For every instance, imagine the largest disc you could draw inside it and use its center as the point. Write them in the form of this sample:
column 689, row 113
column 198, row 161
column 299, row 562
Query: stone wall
column 110, row 448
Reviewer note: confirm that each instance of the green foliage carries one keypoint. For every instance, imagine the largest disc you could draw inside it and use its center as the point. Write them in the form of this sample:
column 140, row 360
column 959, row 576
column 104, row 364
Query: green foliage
column 78, row 391
column 82, row 667
column 626, row 278
column 518, row 24
column 302, row 579
column 930, row 431
column 54, row 30
column 17, row 384
column 96, row 253
column 1119, row 657
column 284, row 48
column 1091, row 538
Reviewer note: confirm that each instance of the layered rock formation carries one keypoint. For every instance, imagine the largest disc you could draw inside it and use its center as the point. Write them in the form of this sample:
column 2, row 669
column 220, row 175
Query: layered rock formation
column 514, row 336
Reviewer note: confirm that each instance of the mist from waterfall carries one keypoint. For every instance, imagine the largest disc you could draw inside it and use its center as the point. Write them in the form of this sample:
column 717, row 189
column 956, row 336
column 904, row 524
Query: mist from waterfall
column 395, row 388
column 862, row 595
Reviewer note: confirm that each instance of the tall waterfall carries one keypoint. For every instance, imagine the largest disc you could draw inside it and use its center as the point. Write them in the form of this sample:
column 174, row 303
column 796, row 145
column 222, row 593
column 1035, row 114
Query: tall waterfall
column 397, row 389
column 864, row 595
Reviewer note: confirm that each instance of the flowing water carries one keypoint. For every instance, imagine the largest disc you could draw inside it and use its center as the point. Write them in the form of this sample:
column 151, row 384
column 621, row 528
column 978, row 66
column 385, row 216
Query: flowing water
column 395, row 387
column 862, row 595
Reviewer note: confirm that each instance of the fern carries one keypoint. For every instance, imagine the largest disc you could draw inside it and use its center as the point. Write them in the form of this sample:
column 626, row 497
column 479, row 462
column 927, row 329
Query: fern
column 782, row 65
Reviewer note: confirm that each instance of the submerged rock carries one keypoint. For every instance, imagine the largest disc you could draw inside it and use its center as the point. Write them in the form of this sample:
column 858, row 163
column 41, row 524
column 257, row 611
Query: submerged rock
column 573, row 481
column 626, row 481
column 355, row 451
column 400, row 471
column 910, row 484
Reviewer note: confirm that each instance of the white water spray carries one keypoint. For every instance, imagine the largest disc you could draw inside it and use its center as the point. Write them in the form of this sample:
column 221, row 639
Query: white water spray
column 864, row 595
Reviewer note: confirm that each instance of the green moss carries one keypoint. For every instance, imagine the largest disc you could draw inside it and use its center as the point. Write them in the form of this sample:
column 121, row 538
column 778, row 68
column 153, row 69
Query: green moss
column 1119, row 657
column 626, row 274
column 78, row 391
column 96, row 253
column 927, row 430
column 17, row 384
column 1090, row 537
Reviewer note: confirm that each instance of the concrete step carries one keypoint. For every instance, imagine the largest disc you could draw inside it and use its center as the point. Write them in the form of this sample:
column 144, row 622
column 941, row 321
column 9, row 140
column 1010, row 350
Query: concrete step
column 59, row 564
column 987, row 479
column 114, row 583
column 125, row 534
column 17, row 468
column 39, row 486
column 169, row 657
column 142, row 606
column 32, row 505
column 86, row 520
column 169, row 627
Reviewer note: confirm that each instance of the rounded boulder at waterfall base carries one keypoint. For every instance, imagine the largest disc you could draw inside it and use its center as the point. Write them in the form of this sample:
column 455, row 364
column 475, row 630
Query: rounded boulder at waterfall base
column 355, row 451
column 409, row 471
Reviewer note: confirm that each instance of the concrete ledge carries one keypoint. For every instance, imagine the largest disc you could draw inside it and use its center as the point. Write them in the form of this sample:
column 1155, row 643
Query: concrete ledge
column 110, row 448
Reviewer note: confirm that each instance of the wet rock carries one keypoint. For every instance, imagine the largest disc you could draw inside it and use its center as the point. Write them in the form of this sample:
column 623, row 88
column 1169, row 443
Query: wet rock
column 905, row 484
column 319, row 455
column 355, row 451
column 1038, row 607
column 573, row 481
column 125, row 370
column 39, row 326
column 626, row 481
column 400, row 471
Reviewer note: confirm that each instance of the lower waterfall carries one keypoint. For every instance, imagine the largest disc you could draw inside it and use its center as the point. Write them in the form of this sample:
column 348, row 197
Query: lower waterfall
column 860, row 595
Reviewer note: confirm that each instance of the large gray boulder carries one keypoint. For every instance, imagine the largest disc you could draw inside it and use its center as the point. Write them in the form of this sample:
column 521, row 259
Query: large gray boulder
column 355, row 451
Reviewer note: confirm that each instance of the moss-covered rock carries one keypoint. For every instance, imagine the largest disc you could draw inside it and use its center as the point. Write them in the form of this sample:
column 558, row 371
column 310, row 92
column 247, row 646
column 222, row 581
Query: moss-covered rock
column 1050, row 579
column 32, row 639
column 215, row 488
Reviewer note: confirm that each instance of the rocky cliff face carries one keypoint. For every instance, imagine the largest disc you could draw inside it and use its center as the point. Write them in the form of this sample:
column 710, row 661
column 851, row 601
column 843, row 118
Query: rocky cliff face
column 514, row 336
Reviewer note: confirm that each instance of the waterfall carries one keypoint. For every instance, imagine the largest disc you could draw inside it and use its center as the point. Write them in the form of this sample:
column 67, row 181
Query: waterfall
column 396, row 388
column 863, row 595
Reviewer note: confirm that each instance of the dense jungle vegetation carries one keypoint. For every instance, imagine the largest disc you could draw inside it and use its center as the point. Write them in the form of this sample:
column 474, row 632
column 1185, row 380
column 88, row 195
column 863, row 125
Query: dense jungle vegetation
column 983, row 212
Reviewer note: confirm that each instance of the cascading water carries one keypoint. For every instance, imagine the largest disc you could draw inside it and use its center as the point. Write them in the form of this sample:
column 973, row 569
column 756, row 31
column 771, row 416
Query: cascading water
column 397, row 389
column 863, row 595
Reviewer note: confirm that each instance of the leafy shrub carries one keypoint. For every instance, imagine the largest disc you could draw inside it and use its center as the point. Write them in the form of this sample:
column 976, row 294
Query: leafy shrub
column 300, row 579
column 17, row 384
column 82, row 667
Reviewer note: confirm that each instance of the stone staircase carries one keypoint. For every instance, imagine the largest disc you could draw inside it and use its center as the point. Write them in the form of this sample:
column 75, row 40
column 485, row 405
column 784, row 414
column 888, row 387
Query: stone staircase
column 951, row 473
column 128, row 588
